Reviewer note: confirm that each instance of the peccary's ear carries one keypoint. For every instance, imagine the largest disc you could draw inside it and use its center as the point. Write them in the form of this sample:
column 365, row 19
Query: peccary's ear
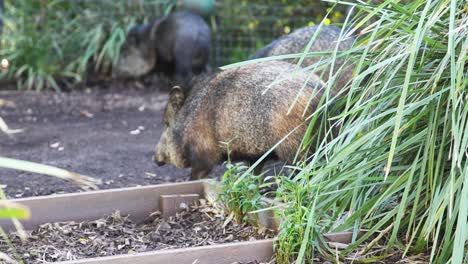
column 131, row 40
column 153, row 27
column 176, row 97
column 132, row 35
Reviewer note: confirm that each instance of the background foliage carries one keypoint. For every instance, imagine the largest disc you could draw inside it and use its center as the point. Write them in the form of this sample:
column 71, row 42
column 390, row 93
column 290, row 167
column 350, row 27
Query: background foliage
column 245, row 26
column 52, row 43
column 49, row 41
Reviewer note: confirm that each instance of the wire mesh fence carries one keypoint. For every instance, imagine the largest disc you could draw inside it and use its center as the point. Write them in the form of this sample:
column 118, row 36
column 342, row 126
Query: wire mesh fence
column 244, row 27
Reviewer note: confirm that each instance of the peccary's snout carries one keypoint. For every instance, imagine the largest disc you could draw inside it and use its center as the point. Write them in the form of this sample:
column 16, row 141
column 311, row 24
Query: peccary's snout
column 158, row 159
column 160, row 163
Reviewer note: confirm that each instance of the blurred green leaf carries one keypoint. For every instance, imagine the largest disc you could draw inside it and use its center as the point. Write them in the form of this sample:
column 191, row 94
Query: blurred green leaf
column 17, row 211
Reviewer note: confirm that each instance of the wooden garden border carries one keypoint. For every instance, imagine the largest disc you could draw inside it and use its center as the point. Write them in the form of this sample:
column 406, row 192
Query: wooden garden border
column 138, row 203
column 260, row 250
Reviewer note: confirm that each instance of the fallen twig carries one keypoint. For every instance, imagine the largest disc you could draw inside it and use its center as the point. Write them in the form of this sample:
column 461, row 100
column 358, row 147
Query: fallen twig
column 375, row 240
column 5, row 129
column 84, row 181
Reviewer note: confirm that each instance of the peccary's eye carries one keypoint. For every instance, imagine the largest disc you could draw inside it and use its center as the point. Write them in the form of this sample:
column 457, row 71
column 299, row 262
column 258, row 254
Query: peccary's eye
column 132, row 39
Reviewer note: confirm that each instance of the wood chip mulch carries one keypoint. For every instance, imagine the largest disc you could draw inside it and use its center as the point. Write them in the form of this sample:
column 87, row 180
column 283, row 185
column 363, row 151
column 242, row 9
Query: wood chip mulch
column 200, row 225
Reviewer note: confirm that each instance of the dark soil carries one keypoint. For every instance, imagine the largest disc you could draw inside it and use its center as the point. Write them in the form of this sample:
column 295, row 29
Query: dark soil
column 106, row 133
column 199, row 225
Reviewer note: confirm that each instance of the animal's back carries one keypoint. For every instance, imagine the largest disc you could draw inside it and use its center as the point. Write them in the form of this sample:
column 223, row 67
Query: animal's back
column 183, row 46
column 265, row 51
column 190, row 26
column 234, row 106
column 326, row 40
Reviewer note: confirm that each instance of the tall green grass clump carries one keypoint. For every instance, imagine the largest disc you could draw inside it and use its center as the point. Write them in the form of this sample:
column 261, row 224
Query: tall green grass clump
column 46, row 41
column 398, row 166
column 399, row 161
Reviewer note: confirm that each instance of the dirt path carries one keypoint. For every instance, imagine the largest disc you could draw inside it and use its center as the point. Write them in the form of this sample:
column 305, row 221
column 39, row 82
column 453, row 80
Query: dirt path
column 105, row 133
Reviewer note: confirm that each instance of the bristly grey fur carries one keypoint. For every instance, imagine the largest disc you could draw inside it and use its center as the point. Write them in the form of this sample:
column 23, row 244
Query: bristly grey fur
column 231, row 106
column 326, row 40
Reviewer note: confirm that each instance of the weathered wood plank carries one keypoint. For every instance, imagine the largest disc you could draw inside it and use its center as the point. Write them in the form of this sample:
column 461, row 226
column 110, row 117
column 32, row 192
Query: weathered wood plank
column 260, row 250
column 138, row 202
column 174, row 203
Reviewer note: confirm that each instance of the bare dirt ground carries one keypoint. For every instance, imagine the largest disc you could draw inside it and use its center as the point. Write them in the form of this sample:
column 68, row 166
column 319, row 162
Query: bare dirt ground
column 107, row 133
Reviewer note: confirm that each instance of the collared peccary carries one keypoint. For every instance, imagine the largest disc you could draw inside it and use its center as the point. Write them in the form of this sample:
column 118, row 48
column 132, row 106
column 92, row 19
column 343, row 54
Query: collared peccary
column 230, row 107
column 177, row 45
column 1, row 16
column 326, row 40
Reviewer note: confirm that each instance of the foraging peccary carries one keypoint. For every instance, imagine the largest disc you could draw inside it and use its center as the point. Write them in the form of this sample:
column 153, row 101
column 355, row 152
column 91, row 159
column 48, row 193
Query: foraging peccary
column 177, row 45
column 230, row 107
column 326, row 40
column 1, row 16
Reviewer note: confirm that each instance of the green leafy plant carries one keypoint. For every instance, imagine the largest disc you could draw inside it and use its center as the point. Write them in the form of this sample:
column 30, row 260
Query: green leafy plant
column 13, row 210
column 242, row 198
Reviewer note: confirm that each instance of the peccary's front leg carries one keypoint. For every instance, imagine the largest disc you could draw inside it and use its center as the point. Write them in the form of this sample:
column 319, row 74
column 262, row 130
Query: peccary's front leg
column 259, row 168
column 199, row 173
column 203, row 161
column 200, row 169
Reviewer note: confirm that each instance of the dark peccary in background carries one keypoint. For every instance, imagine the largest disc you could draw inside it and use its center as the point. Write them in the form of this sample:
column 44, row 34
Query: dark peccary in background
column 1, row 16
column 177, row 45
column 326, row 40
column 230, row 107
